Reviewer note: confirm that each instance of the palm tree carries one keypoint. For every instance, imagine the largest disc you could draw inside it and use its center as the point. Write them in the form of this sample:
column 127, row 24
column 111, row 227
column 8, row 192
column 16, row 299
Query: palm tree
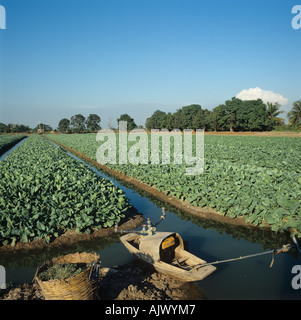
column 295, row 114
column 273, row 113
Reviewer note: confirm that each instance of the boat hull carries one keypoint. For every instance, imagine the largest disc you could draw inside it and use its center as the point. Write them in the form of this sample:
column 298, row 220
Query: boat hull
column 172, row 269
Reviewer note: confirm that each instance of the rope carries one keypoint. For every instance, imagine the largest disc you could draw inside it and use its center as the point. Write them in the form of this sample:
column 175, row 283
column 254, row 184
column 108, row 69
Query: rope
column 285, row 248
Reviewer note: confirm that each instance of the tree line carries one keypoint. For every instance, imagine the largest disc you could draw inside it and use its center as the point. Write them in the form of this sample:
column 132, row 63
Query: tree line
column 78, row 123
column 233, row 115
column 18, row 128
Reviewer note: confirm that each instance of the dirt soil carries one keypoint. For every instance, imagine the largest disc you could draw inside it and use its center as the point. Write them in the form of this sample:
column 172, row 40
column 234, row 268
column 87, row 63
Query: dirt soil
column 260, row 134
column 133, row 281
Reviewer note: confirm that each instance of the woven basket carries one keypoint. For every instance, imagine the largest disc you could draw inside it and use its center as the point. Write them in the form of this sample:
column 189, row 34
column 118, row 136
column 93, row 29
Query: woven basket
column 78, row 287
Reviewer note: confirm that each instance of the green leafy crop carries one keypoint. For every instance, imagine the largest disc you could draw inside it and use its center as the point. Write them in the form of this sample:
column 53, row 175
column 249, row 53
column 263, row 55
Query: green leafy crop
column 7, row 141
column 257, row 178
column 45, row 192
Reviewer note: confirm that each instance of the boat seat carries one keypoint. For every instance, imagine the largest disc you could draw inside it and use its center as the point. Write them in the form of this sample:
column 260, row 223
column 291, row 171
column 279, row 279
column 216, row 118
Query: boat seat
column 181, row 260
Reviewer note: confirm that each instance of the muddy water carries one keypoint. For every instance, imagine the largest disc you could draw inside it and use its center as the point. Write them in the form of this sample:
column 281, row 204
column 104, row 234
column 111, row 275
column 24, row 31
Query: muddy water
column 245, row 279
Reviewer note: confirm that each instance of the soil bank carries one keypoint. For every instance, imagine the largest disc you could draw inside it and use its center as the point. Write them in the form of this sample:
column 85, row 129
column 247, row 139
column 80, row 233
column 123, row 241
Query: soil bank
column 133, row 281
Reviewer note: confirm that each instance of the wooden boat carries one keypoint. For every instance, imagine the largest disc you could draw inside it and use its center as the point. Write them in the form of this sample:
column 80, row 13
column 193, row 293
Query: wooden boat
column 165, row 252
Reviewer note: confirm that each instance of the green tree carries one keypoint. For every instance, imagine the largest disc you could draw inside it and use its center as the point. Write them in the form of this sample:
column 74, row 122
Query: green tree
column 295, row 114
column 238, row 115
column 64, row 125
column 4, row 128
column 221, row 118
column 256, row 116
column 211, row 120
column 156, row 121
column 273, row 113
column 12, row 127
column 188, row 117
column 78, row 123
column 23, row 128
column 208, row 118
column 130, row 121
column 93, row 122
column 170, row 121
column 199, row 120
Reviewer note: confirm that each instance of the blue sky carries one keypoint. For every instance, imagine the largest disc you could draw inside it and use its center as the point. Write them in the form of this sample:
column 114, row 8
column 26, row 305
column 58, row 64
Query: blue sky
column 63, row 57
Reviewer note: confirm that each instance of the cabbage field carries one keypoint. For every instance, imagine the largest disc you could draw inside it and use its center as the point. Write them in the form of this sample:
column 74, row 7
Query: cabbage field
column 7, row 141
column 44, row 192
column 257, row 178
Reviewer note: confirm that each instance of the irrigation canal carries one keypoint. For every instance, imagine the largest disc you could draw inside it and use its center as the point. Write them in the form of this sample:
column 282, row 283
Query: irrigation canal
column 246, row 279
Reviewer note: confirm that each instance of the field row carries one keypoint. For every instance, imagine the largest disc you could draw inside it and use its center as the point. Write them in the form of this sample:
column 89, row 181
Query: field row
column 257, row 178
column 7, row 141
column 45, row 192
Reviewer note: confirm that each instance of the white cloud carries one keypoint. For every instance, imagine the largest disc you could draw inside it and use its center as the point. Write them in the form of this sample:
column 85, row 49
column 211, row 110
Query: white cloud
column 264, row 95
